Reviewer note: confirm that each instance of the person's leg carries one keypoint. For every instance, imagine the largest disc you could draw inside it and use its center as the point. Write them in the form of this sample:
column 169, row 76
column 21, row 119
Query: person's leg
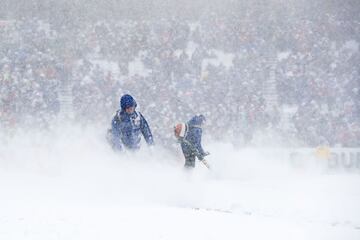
column 189, row 156
column 190, row 161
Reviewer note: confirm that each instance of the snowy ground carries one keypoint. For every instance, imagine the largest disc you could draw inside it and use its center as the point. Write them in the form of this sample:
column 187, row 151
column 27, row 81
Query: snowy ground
column 69, row 185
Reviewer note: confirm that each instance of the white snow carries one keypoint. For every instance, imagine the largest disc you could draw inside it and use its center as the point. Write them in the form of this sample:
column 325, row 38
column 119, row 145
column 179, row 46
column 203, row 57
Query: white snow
column 220, row 58
column 136, row 67
column 283, row 55
column 107, row 66
column 352, row 45
column 190, row 48
column 68, row 184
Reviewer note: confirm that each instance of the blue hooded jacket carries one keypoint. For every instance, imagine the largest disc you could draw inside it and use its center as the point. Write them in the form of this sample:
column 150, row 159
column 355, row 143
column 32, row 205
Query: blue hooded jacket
column 193, row 137
column 126, row 128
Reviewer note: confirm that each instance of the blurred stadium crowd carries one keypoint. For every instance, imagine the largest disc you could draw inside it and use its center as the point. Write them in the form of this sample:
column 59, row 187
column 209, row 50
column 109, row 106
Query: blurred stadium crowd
column 217, row 65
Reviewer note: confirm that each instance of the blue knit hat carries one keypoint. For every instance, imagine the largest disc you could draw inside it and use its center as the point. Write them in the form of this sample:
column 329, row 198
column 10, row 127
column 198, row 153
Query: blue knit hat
column 127, row 101
column 197, row 120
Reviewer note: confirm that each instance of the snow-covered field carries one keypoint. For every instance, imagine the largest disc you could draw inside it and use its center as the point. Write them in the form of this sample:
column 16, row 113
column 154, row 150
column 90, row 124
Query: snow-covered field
column 68, row 184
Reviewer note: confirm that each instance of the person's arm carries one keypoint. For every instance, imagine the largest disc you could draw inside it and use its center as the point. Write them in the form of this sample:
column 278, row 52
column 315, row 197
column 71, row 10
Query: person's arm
column 116, row 134
column 198, row 146
column 145, row 130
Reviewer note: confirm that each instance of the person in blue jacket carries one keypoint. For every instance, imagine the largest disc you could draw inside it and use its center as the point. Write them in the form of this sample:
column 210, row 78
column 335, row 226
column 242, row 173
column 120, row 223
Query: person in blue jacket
column 191, row 142
column 128, row 125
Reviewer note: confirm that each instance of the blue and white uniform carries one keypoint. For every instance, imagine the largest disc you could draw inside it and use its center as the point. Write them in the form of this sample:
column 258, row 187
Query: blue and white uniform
column 126, row 128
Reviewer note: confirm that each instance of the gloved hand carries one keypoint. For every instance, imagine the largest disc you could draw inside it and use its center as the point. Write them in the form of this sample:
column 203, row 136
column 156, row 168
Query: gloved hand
column 201, row 156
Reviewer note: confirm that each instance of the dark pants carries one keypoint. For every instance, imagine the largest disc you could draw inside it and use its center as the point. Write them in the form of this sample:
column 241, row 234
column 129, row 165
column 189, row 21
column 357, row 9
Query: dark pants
column 190, row 161
column 189, row 155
